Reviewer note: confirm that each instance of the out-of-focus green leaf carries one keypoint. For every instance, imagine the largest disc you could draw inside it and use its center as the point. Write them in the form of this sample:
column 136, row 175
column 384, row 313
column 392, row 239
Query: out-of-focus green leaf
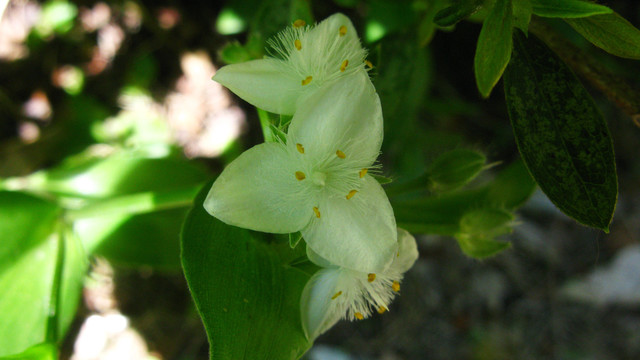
column 41, row 270
column 427, row 27
column 612, row 33
column 403, row 80
column 57, row 16
column 479, row 228
column 568, row 8
column 455, row 168
column 347, row 3
column 560, row 133
column 234, row 53
column 387, row 17
column 229, row 22
column 442, row 214
column 118, row 174
column 247, row 297
column 522, row 11
column 457, row 12
column 494, row 47
column 273, row 16
column 44, row 351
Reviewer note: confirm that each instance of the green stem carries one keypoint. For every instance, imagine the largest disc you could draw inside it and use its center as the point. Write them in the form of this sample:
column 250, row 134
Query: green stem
column 54, row 302
column 265, row 123
column 136, row 203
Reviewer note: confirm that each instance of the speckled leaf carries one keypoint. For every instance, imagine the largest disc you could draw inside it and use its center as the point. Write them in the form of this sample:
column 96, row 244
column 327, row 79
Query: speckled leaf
column 494, row 47
column 611, row 32
column 244, row 289
column 560, row 133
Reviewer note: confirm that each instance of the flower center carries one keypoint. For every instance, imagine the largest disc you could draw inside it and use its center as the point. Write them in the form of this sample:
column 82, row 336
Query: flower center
column 319, row 178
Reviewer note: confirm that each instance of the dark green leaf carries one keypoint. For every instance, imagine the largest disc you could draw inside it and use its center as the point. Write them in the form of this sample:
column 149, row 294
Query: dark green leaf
column 294, row 239
column 494, row 47
column 455, row 168
column 567, row 8
column 427, row 27
column 522, row 11
column 41, row 271
column 610, row 32
column 560, row 133
column 44, row 351
column 247, row 296
column 233, row 53
column 457, row 12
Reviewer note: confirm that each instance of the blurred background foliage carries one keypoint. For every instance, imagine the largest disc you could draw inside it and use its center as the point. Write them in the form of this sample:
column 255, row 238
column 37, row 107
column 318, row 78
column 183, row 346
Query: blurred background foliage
column 110, row 125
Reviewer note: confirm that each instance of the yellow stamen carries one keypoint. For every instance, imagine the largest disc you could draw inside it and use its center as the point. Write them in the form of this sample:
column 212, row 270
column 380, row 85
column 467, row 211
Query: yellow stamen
column 351, row 193
column 340, row 154
column 343, row 30
column 371, row 277
column 359, row 316
column 336, row 295
column 300, row 175
column 382, row 310
column 395, row 286
column 369, row 64
column 299, row 23
column 298, row 44
column 315, row 210
column 300, row 148
column 307, row 80
column 344, row 65
column 363, row 172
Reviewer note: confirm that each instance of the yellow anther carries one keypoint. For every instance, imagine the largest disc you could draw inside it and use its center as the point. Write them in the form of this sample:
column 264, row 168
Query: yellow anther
column 336, row 295
column 351, row 193
column 300, row 175
column 299, row 23
column 343, row 30
column 300, row 148
column 363, row 172
column 371, row 277
column 307, row 80
column 369, row 64
column 315, row 210
column 382, row 310
column 298, row 44
column 340, row 154
column 395, row 286
column 359, row 316
column 344, row 65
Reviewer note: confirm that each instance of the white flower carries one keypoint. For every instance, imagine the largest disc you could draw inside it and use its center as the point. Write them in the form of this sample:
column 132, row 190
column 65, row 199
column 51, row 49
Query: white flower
column 335, row 293
column 303, row 59
column 317, row 182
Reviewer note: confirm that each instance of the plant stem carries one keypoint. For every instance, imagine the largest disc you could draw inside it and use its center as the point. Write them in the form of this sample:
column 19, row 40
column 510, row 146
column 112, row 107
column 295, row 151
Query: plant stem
column 611, row 85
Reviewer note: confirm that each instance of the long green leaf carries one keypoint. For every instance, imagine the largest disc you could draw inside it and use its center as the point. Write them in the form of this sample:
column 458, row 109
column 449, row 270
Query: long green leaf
column 494, row 47
column 246, row 294
column 567, row 8
column 457, row 12
column 41, row 271
column 612, row 33
column 560, row 133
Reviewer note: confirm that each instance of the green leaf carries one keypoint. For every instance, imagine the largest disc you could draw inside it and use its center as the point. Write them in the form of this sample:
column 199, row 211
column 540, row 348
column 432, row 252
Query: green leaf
column 494, row 47
column 44, row 351
column 455, row 168
column 511, row 188
column 294, row 239
column 479, row 227
column 427, row 27
column 522, row 11
column 560, row 133
column 612, row 33
column 247, row 295
column 41, row 271
column 56, row 16
column 567, row 8
column 457, row 12
column 234, row 53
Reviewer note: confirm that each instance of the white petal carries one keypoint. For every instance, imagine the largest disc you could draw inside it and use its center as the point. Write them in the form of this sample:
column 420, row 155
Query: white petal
column 317, row 259
column 330, row 27
column 264, row 83
column 359, row 233
column 259, row 191
column 407, row 252
column 344, row 116
column 318, row 311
